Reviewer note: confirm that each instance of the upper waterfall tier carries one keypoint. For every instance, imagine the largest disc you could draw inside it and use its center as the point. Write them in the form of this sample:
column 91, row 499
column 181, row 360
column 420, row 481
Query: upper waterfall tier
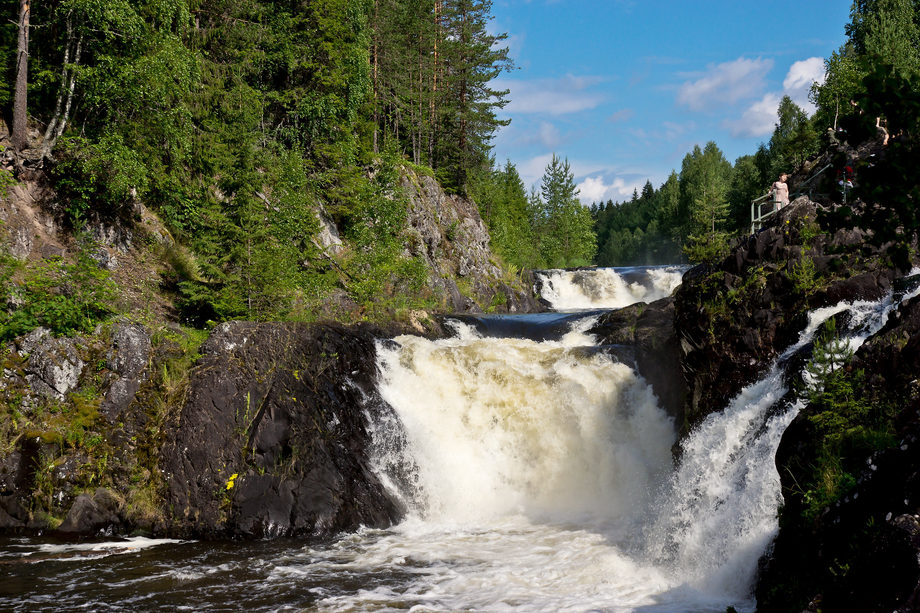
column 607, row 288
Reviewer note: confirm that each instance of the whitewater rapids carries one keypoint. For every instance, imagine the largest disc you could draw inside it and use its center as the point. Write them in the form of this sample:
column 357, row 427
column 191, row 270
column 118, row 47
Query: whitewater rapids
column 607, row 288
column 536, row 475
column 529, row 471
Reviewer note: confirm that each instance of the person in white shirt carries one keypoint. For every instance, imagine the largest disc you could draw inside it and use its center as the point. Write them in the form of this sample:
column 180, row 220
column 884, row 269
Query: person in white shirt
column 780, row 193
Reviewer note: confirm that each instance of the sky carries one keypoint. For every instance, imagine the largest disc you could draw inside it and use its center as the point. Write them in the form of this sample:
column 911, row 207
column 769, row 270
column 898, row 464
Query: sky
column 625, row 88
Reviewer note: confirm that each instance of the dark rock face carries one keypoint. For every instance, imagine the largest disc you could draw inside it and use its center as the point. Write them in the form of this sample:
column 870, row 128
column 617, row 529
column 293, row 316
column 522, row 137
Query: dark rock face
column 861, row 553
column 736, row 317
column 273, row 439
column 733, row 319
column 649, row 330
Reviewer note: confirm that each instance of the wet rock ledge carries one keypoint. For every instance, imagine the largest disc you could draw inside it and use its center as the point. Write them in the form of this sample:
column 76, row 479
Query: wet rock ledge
column 262, row 431
column 274, row 437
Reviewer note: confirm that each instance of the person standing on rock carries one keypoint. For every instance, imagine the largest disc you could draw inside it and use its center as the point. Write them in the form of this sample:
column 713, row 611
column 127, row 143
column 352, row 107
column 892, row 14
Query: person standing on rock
column 780, row 193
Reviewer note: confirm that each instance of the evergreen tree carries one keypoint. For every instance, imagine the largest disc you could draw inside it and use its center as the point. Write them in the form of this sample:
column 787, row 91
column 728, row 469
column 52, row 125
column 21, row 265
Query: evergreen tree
column 472, row 60
column 568, row 233
column 704, row 182
column 747, row 184
column 794, row 138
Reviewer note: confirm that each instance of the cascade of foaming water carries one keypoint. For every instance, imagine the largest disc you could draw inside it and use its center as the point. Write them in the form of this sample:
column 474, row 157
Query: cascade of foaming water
column 522, row 498
column 718, row 513
column 607, row 288
column 494, row 427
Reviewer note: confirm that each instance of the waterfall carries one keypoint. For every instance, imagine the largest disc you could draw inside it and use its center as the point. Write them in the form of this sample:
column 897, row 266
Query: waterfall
column 717, row 513
column 503, row 426
column 607, row 288
column 537, row 475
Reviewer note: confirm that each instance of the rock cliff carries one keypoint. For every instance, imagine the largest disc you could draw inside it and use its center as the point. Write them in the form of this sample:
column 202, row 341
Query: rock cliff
column 274, row 437
column 141, row 424
column 448, row 232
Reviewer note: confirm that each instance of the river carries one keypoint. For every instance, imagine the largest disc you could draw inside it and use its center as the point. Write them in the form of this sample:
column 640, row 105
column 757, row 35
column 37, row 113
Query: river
column 536, row 474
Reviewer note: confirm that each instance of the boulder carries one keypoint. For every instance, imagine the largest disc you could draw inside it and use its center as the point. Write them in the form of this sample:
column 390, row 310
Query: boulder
column 53, row 365
column 656, row 349
column 127, row 359
column 274, row 439
column 99, row 513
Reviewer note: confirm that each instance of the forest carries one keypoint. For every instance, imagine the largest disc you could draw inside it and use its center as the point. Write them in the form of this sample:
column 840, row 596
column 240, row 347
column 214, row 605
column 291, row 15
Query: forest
column 240, row 122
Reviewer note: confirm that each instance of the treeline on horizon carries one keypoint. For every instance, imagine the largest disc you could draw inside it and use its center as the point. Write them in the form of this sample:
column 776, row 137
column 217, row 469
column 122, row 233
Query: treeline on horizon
column 696, row 212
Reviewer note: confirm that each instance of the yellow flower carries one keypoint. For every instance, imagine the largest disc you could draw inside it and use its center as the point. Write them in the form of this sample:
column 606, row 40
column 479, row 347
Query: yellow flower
column 231, row 480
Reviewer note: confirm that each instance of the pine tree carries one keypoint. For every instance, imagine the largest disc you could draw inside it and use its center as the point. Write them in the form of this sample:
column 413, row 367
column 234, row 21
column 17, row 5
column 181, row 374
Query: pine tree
column 472, row 60
column 704, row 182
column 570, row 239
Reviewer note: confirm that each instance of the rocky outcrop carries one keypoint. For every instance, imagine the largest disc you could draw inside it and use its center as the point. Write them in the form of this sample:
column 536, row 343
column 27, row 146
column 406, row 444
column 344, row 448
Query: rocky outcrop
column 53, row 365
column 735, row 317
column 861, row 552
column 78, row 398
column 648, row 329
column 127, row 360
column 449, row 234
column 274, row 438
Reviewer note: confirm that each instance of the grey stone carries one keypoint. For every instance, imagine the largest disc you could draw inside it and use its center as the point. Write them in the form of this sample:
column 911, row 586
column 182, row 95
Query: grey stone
column 128, row 359
column 53, row 365
column 92, row 514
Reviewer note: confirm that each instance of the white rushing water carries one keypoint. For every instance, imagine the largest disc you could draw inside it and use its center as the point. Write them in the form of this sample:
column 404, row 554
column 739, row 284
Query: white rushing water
column 607, row 288
column 538, row 477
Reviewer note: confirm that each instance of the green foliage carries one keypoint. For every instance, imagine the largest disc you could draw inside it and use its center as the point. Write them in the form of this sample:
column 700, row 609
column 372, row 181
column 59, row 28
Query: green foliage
column 704, row 182
column 65, row 297
column 7, row 180
column 794, row 138
column 643, row 230
column 378, row 266
column 104, row 177
column 747, row 184
column 847, row 425
column 842, row 84
column 707, row 247
column 432, row 68
column 504, row 206
column 803, row 275
column 563, row 223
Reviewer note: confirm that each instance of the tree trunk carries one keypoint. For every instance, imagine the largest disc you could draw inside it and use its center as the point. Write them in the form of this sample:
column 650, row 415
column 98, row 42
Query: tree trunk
column 20, row 106
column 68, row 82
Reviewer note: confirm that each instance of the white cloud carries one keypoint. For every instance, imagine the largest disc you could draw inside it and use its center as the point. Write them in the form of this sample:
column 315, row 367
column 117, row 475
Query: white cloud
column 551, row 96
column 668, row 131
column 758, row 120
column 532, row 170
column 725, row 83
column 597, row 189
column 799, row 79
column 548, row 135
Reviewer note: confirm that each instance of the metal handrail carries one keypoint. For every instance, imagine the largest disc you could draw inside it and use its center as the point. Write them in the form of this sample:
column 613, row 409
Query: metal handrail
column 757, row 214
column 811, row 179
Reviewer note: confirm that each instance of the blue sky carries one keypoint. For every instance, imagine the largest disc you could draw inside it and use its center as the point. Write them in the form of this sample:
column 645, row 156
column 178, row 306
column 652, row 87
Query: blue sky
column 625, row 88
